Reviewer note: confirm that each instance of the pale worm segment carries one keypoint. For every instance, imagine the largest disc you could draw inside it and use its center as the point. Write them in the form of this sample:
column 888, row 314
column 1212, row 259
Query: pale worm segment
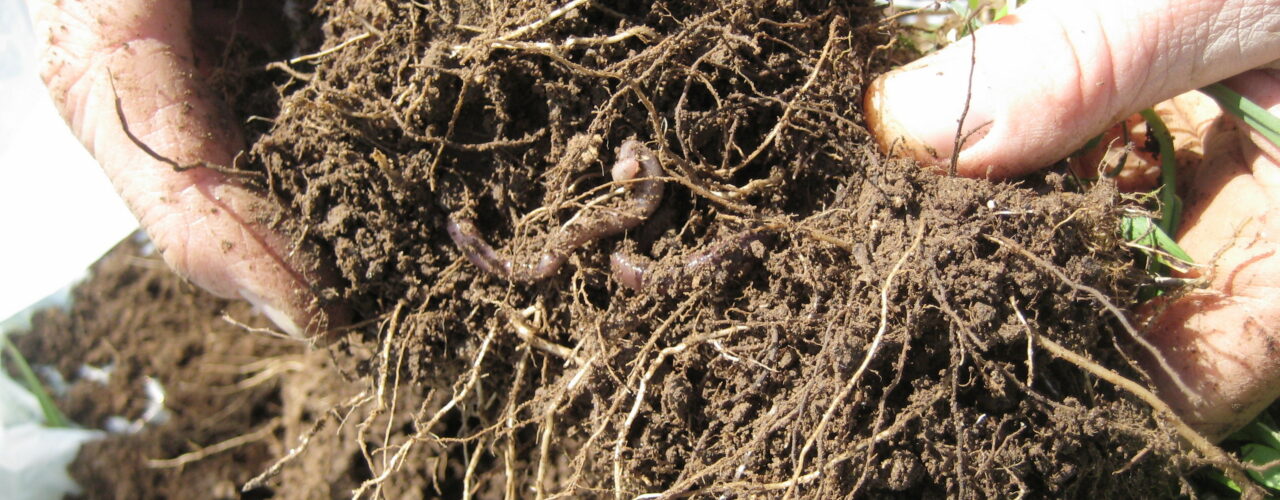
column 725, row 256
column 634, row 272
column 634, row 160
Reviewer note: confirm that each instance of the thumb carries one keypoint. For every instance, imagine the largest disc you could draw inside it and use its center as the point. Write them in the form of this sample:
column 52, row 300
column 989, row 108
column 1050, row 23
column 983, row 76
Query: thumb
column 1053, row 75
column 112, row 65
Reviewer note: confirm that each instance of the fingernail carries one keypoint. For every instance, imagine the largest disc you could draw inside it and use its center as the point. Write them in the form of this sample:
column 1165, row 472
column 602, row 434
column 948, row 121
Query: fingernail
column 277, row 315
column 916, row 110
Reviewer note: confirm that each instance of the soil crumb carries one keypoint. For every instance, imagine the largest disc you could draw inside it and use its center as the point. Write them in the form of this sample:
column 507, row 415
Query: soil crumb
column 873, row 337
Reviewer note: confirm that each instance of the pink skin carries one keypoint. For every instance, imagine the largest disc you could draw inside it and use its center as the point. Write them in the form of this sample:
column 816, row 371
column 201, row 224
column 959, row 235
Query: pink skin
column 1062, row 71
column 209, row 228
column 645, row 194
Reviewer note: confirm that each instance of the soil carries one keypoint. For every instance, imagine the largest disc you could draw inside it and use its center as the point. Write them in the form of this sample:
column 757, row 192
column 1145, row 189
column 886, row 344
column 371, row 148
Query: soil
column 873, row 341
column 235, row 401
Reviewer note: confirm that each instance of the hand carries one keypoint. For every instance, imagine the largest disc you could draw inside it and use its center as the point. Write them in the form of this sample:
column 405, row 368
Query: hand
column 208, row 227
column 1056, row 74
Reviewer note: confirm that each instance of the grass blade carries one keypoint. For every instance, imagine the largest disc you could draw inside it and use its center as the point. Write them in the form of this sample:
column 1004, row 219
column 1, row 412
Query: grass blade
column 1170, row 205
column 1253, row 115
column 52, row 416
column 1256, row 454
column 1143, row 231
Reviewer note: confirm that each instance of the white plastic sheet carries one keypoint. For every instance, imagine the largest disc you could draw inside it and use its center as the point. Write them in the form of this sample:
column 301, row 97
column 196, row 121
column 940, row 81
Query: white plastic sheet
column 58, row 215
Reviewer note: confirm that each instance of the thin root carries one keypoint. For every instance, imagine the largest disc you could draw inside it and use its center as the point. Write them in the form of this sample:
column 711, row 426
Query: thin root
column 1106, row 303
column 1215, row 455
column 866, row 360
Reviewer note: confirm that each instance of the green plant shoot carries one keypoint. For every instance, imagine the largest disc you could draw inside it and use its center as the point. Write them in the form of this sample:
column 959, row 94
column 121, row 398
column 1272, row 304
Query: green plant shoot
column 1263, row 447
column 1143, row 231
column 1170, row 204
column 52, row 416
column 1253, row 115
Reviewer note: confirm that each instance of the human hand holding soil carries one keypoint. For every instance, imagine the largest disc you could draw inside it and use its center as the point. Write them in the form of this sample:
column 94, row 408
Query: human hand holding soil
column 142, row 55
column 1057, row 73
column 1046, row 80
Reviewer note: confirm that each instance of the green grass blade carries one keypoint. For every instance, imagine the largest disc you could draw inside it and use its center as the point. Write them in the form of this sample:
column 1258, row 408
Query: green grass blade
column 1221, row 479
column 52, row 416
column 1170, row 205
column 1253, row 115
column 1261, row 431
column 1143, row 231
column 1256, row 454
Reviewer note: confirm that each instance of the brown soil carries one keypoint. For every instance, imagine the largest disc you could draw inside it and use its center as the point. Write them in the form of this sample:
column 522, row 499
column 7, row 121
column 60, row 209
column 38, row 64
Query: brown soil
column 876, row 345
column 236, row 400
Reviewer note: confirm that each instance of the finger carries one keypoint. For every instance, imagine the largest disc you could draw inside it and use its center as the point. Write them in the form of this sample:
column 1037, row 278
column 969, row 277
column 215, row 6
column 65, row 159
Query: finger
column 1058, row 72
column 1123, row 146
column 208, row 227
column 1224, row 339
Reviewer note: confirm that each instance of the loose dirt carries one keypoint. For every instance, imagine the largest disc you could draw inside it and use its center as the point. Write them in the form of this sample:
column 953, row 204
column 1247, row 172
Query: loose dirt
column 877, row 341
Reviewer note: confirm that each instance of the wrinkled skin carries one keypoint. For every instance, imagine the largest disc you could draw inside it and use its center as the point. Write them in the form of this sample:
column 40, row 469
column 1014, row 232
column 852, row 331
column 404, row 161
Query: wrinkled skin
column 1060, row 72
column 208, row 227
column 1047, row 80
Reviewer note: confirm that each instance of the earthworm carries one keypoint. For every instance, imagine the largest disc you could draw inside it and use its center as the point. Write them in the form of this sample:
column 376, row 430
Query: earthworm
column 637, row 167
column 637, row 273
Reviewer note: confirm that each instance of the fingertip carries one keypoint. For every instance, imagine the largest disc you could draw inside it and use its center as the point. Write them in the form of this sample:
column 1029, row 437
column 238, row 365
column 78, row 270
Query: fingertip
column 913, row 113
column 927, row 109
column 890, row 136
column 1029, row 91
column 283, row 315
column 300, row 313
column 123, row 75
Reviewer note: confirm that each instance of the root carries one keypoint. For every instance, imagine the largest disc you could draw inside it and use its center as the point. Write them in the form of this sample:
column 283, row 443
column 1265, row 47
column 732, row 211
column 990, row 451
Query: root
column 264, row 371
column 548, row 427
column 790, row 107
column 747, row 389
column 961, row 137
column 1031, row 342
column 467, row 479
column 263, row 432
column 871, row 353
column 529, row 333
column 1106, row 303
column 552, row 16
column 1230, row 466
column 898, row 369
column 424, row 429
column 391, row 327
column 642, row 32
column 747, row 487
column 635, row 407
column 644, row 382
column 331, row 50
column 254, row 329
column 231, row 171
column 303, row 441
